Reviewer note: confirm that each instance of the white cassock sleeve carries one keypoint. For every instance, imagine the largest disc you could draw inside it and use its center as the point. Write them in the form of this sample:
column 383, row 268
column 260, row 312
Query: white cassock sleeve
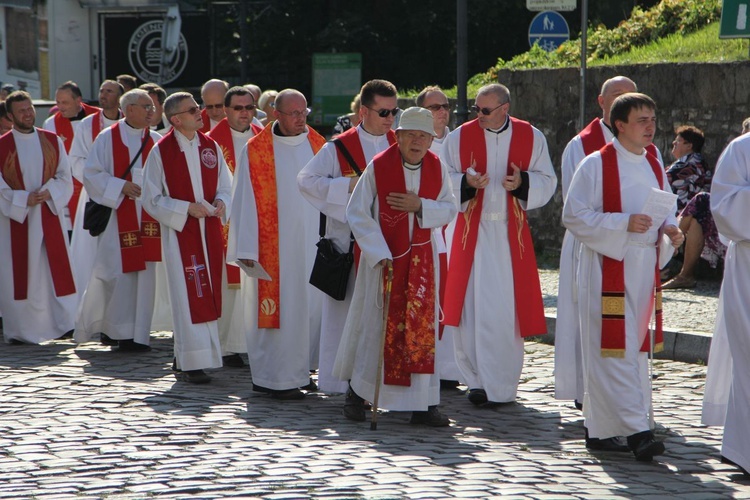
column 101, row 186
column 13, row 202
column 243, row 225
column 362, row 214
column 171, row 212
column 224, row 186
column 322, row 184
column 441, row 211
column 60, row 186
column 604, row 233
column 730, row 191
column 81, row 147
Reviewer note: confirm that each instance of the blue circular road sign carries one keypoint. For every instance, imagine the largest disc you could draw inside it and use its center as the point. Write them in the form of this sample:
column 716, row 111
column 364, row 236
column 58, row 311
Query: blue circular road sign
column 549, row 29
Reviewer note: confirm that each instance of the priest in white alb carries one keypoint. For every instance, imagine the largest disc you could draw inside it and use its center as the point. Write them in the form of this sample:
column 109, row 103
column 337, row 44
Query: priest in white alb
column 403, row 195
column 187, row 188
column 119, row 296
column 271, row 224
column 37, row 291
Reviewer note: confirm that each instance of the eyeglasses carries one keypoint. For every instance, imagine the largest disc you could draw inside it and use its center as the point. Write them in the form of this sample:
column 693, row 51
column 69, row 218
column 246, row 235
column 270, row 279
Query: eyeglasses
column 383, row 113
column 193, row 111
column 213, row 106
column 147, row 107
column 296, row 114
column 487, row 111
column 249, row 107
column 437, row 107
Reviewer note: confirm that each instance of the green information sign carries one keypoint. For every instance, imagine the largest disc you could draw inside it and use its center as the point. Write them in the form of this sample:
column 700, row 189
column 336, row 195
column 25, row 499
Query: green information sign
column 337, row 78
column 734, row 19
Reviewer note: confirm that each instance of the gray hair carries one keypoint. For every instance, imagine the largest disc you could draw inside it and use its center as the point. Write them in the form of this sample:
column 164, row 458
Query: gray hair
column 132, row 97
column 499, row 90
column 172, row 102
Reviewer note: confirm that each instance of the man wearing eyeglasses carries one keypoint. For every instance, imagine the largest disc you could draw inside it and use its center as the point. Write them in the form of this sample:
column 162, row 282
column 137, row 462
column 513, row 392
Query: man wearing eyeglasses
column 436, row 101
column 119, row 295
column 271, row 226
column 82, row 244
column 187, row 188
column 231, row 134
column 500, row 169
column 327, row 183
column 212, row 95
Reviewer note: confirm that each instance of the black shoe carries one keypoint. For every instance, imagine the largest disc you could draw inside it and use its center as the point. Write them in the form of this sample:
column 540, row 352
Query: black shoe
column 16, row 342
column 354, row 406
column 233, row 361
column 448, row 384
column 578, row 405
column 727, row 461
column 618, row 444
column 131, row 345
column 174, row 365
column 67, row 335
column 107, row 340
column 288, row 394
column 310, row 387
column 432, row 417
column 260, row 388
column 644, row 446
column 195, row 377
column 477, row 396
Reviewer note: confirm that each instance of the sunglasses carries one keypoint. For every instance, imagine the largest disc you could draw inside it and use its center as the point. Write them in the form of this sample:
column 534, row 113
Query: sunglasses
column 193, row 111
column 249, row 107
column 437, row 107
column 486, row 111
column 383, row 113
column 213, row 106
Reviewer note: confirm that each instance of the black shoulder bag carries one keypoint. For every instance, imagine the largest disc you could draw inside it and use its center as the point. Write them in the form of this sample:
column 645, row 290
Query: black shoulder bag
column 96, row 216
column 331, row 269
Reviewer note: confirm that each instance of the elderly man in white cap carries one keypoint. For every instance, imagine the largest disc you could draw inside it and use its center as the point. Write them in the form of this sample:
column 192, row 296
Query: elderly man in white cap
column 402, row 195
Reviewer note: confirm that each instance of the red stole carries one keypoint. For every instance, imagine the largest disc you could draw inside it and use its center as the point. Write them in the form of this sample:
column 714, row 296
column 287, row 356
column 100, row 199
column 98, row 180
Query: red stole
column 526, row 287
column 263, row 178
column 410, row 330
column 206, row 128
column 592, row 137
column 97, row 123
column 613, row 271
column 350, row 140
column 64, row 130
column 132, row 249
column 204, row 296
column 222, row 134
column 54, row 238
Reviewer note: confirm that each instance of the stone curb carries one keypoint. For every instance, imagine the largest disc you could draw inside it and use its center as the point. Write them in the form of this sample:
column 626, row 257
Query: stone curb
column 688, row 347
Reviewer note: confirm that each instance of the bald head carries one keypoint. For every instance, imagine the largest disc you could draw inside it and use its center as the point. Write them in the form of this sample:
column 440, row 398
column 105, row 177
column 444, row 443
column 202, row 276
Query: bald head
column 611, row 90
column 212, row 95
column 290, row 111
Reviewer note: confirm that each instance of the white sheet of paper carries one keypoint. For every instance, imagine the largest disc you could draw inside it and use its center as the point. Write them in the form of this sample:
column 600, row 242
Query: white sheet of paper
column 211, row 209
column 256, row 271
column 659, row 205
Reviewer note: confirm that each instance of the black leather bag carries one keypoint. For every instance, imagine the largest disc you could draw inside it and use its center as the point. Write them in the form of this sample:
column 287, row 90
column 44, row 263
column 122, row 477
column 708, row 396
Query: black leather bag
column 96, row 216
column 331, row 269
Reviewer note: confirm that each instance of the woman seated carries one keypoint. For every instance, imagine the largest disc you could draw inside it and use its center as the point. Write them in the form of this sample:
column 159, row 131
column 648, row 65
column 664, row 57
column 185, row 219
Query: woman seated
column 690, row 179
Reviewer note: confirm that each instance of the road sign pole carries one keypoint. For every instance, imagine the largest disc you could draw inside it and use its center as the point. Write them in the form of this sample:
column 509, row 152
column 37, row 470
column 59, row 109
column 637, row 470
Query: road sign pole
column 462, row 109
column 584, row 51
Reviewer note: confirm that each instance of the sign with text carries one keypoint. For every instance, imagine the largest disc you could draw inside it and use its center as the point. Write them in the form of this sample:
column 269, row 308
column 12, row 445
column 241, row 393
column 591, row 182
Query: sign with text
column 337, row 78
column 734, row 19
column 560, row 5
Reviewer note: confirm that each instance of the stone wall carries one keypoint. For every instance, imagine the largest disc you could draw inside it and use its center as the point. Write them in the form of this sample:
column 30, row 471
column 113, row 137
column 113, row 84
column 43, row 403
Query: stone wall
column 712, row 97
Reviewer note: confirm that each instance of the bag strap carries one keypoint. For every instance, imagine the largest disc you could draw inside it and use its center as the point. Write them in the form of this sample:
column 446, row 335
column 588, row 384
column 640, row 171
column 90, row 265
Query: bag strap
column 322, row 227
column 140, row 150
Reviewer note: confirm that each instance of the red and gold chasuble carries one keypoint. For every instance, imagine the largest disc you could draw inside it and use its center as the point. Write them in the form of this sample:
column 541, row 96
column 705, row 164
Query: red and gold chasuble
column 526, row 287
column 133, row 250
column 55, row 240
column 613, row 271
column 410, row 330
column 64, row 130
column 263, row 178
column 204, row 296
column 222, row 134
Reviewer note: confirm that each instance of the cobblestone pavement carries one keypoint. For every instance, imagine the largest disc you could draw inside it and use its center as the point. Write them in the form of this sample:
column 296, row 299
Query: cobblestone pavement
column 84, row 422
column 691, row 310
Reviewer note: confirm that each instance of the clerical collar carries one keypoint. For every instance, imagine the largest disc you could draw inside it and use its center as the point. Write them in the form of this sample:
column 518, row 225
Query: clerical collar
column 501, row 129
column 277, row 130
column 80, row 116
column 411, row 166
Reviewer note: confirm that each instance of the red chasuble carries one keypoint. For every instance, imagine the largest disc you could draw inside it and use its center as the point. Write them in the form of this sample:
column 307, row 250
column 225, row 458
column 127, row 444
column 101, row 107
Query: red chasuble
column 204, row 296
column 53, row 235
column 526, row 287
column 410, row 330
column 263, row 178
column 613, row 271
column 64, row 129
column 132, row 249
column 222, row 134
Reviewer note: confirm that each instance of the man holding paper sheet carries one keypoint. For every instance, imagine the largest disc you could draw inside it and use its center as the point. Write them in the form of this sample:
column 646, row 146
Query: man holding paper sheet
column 618, row 273
column 119, row 298
column 184, row 170
column 273, row 225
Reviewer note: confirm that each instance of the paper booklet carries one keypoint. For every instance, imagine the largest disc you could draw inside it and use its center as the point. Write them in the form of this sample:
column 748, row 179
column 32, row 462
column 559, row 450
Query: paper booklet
column 659, row 205
column 256, row 271
column 211, row 209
